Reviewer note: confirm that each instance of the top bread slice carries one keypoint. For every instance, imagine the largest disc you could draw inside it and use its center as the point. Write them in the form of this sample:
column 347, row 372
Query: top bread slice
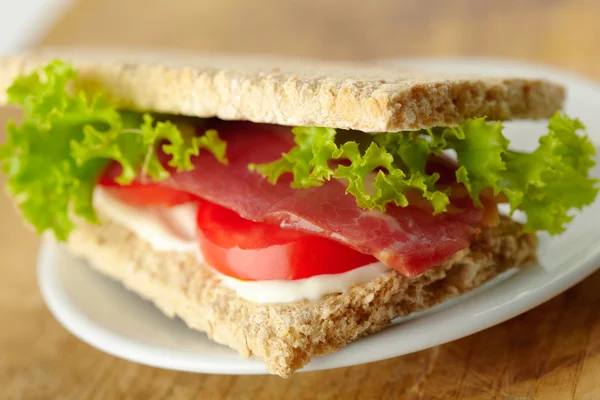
column 366, row 97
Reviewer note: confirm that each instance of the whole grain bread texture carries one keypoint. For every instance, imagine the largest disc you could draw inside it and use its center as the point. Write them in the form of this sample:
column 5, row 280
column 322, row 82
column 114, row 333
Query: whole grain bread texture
column 366, row 97
column 286, row 336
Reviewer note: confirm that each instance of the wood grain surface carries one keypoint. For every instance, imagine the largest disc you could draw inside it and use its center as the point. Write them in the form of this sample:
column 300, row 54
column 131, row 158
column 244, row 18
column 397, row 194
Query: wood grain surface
column 551, row 352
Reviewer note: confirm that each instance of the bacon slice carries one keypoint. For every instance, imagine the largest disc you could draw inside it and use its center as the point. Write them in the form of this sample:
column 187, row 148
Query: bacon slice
column 410, row 240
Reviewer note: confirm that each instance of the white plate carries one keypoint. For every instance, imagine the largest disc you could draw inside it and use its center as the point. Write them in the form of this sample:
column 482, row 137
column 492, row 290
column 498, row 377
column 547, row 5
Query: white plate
column 105, row 315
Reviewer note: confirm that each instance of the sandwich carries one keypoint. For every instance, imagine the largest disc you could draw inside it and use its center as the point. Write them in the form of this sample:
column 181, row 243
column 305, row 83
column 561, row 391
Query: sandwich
column 286, row 207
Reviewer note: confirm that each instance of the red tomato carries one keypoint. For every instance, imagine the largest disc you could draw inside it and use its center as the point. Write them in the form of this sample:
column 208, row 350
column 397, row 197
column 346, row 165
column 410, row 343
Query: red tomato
column 142, row 194
column 148, row 195
column 250, row 250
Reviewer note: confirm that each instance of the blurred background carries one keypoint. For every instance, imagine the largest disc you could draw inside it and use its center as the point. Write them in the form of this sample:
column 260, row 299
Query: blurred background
column 40, row 360
column 559, row 32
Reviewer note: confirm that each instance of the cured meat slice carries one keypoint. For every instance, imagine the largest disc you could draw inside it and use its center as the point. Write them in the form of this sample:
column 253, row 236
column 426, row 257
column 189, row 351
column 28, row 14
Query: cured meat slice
column 410, row 240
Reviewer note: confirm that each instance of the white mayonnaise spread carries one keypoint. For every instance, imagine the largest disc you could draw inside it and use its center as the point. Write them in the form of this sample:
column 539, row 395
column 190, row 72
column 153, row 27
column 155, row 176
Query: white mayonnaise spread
column 313, row 288
column 173, row 229
column 165, row 228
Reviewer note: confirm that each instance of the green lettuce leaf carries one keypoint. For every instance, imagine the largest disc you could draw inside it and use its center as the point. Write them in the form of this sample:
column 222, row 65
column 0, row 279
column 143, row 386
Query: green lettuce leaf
column 55, row 156
column 375, row 181
column 545, row 184
column 308, row 161
column 480, row 147
column 553, row 179
column 391, row 165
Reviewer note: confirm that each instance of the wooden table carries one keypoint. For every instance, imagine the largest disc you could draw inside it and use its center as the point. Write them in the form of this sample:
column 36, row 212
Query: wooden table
column 551, row 352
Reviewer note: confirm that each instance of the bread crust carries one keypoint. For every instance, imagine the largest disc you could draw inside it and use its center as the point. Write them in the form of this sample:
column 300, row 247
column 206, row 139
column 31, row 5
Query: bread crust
column 366, row 97
column 286, row 336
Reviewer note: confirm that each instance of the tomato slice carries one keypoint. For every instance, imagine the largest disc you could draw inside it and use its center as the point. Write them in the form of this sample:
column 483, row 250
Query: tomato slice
column 148, row 195
column 142, row 194
column 250, row 250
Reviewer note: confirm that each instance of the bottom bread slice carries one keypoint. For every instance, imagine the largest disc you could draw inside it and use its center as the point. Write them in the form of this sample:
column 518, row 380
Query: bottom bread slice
column 286, row 336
